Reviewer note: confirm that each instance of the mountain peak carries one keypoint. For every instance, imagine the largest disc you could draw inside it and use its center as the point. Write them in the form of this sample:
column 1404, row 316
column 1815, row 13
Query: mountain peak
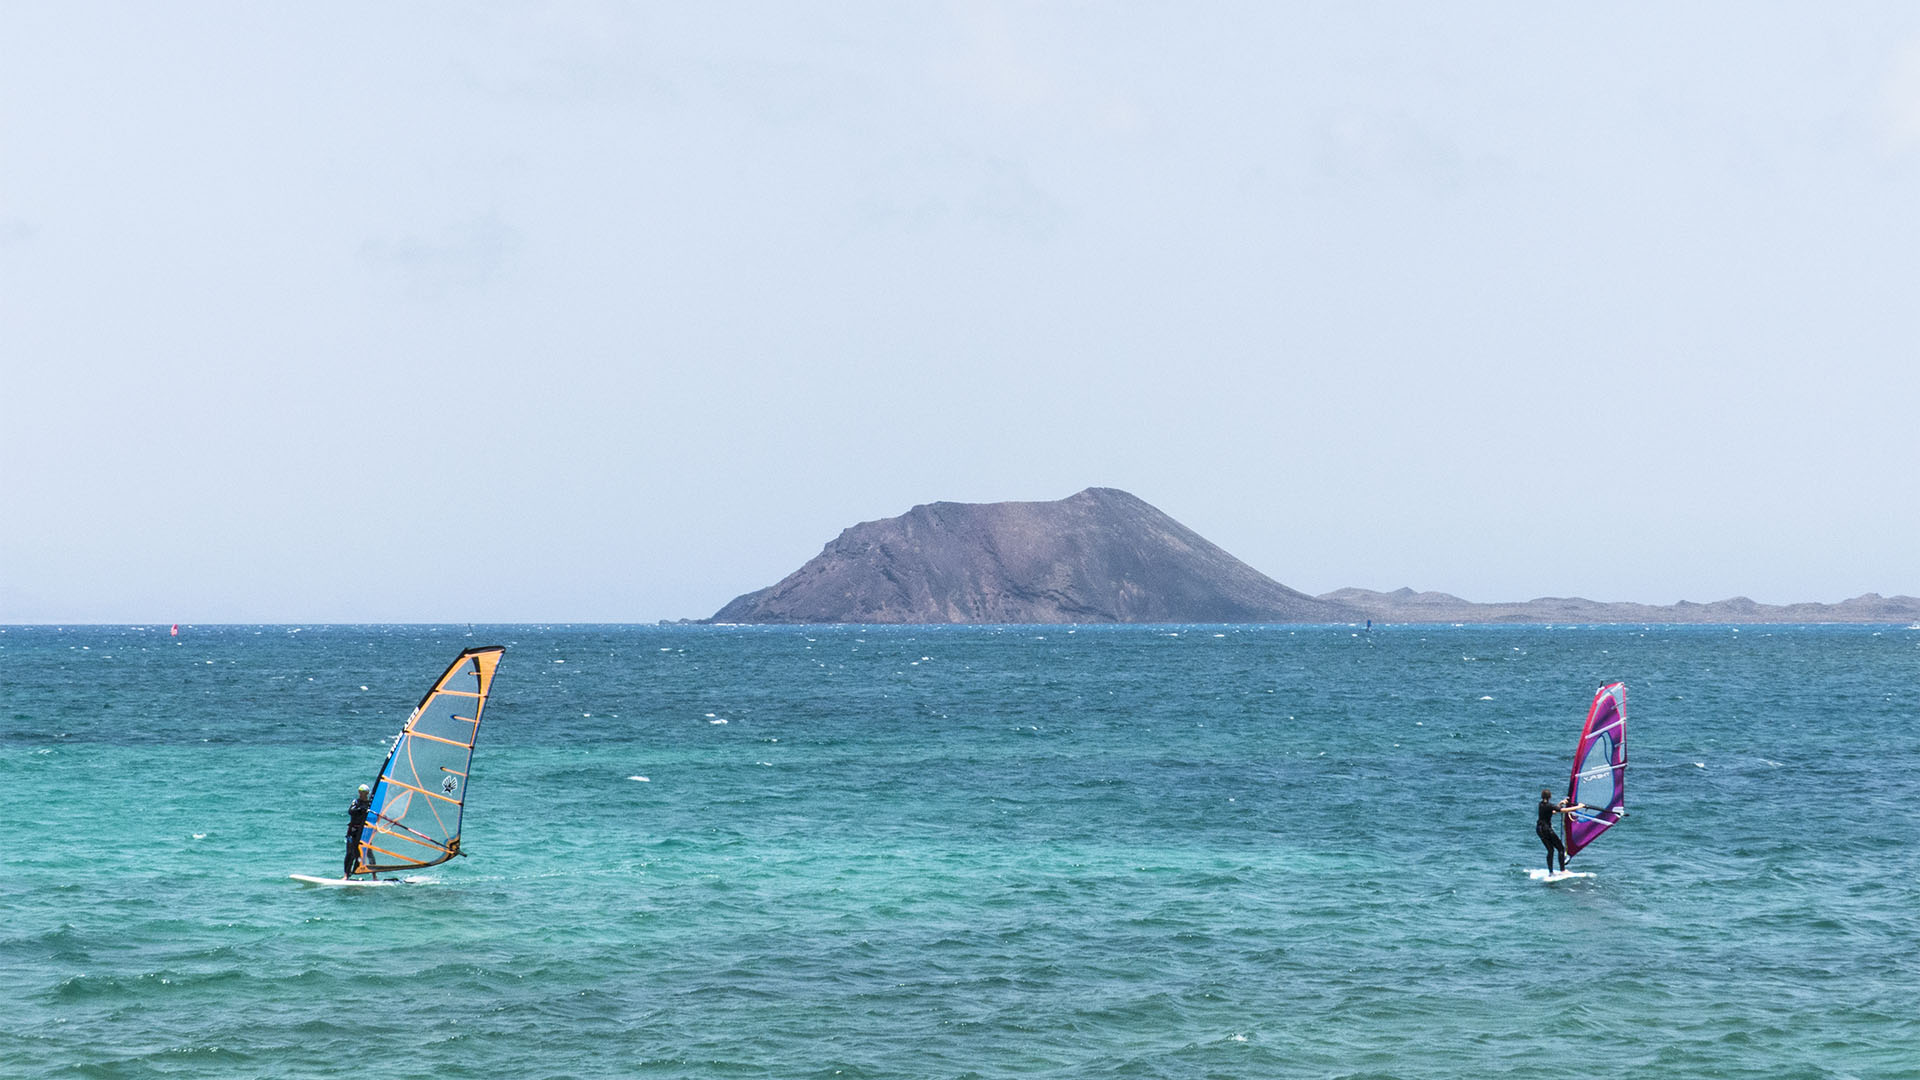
column 1101, row 555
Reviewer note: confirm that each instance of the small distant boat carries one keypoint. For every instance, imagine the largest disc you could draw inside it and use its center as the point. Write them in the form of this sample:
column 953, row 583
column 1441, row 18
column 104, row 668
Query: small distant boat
column 175, row 632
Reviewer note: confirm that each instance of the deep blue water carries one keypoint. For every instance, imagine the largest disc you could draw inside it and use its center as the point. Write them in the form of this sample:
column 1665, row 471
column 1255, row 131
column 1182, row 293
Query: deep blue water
column 965, row 852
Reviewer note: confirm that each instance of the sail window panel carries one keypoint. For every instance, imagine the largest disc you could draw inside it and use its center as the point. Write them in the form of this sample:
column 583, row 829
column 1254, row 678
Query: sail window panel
column 1597, row 777
column 422, row 762
column 392, row 849
column 413, row 835
column 421, row 765
column 448, row 716
column 403, row 844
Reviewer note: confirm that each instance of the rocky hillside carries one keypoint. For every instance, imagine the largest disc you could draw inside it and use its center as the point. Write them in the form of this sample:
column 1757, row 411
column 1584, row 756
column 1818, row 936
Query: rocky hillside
column 1102, row 556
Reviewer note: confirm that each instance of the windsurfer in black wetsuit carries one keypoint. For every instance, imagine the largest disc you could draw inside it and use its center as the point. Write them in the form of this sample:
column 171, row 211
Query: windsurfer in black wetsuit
column 1543, row 825
column 356, row 823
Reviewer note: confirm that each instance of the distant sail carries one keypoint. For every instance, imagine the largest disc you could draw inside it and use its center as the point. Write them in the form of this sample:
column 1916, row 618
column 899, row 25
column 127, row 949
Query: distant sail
column 421, row 795
column 1599, row 769
column 175, row 632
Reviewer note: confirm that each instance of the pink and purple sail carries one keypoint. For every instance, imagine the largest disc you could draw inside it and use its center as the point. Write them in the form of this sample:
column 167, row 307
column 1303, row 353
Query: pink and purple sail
column 1599, row 769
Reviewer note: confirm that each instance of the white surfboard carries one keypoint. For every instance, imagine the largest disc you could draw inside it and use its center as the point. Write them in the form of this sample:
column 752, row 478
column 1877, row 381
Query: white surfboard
column 1553, row 877
column 340, row 883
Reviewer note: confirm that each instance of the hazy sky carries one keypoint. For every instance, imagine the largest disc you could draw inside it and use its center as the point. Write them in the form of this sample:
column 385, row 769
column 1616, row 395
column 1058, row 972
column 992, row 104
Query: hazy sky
column 452, row 312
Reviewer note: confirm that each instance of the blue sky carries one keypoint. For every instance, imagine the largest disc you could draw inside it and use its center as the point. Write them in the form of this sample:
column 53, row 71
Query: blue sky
column 612, row 312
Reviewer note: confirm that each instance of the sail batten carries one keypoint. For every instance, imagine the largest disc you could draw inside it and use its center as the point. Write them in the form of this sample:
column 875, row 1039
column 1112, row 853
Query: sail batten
column 431, row 757
column 1599, row 776
column 436, row 738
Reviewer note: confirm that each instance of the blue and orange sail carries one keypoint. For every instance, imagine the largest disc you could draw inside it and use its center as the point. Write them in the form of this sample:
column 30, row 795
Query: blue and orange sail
column 421, row 796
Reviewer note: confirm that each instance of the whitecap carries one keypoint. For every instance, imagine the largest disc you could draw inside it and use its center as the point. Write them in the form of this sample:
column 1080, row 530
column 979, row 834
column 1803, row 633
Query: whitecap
column 721, row 721
column 642, row 779
column 1486, row 697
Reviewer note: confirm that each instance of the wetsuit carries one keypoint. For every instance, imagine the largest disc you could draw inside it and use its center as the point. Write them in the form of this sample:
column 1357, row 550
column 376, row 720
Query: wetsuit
column 356, row 823
column 1543, row 828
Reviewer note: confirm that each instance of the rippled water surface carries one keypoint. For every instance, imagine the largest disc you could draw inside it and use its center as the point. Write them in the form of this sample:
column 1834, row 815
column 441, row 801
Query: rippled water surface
column 1139, row 852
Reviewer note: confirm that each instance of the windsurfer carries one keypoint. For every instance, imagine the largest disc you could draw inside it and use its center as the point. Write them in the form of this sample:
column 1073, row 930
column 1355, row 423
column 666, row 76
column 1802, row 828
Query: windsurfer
column 1543, row 825
column 356, row 823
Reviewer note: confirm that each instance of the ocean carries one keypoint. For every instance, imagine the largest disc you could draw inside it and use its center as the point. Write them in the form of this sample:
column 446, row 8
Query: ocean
column 1172, row 851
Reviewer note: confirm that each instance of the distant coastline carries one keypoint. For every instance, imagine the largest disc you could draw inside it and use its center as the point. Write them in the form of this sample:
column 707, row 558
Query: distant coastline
column 1106, row 556
column 1408, row 606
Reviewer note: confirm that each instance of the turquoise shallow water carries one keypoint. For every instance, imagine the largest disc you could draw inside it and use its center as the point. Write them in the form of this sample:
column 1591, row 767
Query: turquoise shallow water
column 1129, row 852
